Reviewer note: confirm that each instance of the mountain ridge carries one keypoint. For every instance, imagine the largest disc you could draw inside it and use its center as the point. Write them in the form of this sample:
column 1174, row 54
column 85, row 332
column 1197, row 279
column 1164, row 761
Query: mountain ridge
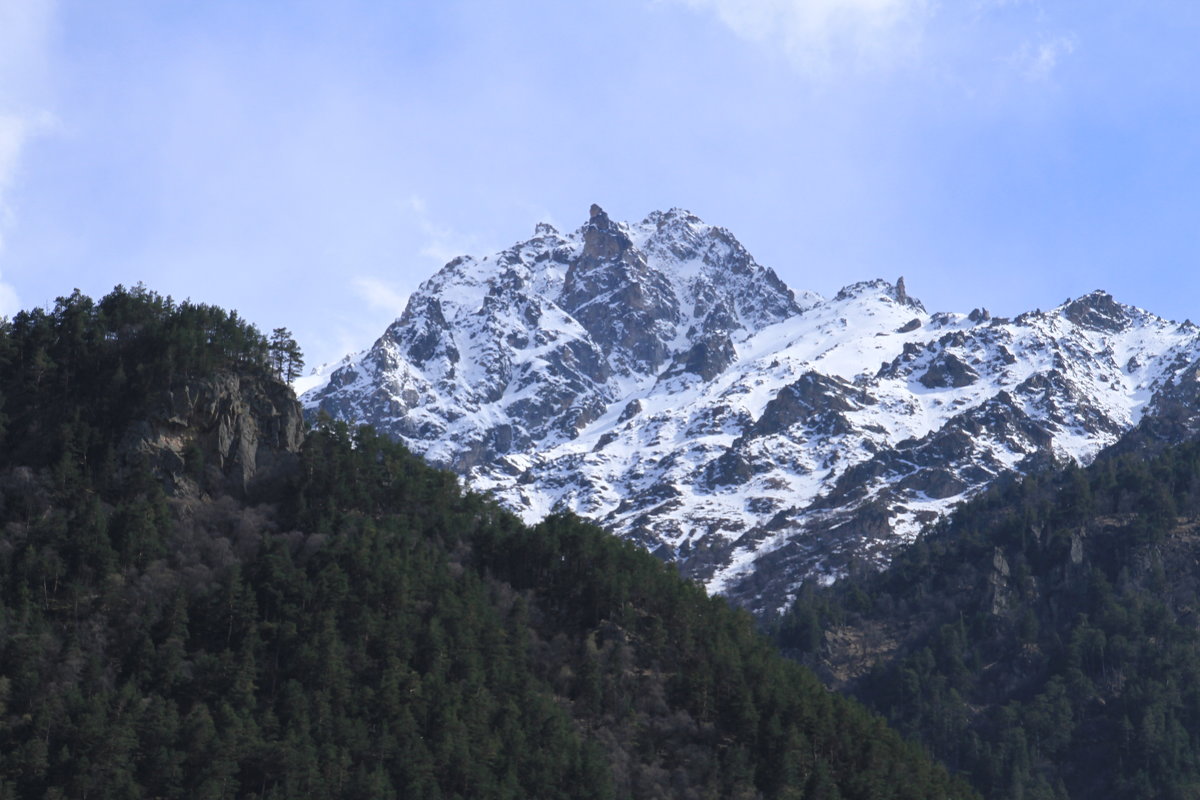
column 653, row 377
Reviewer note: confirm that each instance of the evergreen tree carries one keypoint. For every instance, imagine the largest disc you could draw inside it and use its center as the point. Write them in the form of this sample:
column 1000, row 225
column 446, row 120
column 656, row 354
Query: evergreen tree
column 287, row 360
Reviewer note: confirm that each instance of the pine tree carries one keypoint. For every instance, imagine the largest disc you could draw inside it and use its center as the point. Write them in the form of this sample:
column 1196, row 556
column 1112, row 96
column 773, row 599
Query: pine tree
column 284, row 355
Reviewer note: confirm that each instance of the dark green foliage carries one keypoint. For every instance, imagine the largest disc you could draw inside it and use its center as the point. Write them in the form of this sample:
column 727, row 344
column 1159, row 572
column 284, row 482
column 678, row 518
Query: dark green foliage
column 285, row 356
column 678, row 690
column 371, row 632
column 1045, row 641
column 75, row 378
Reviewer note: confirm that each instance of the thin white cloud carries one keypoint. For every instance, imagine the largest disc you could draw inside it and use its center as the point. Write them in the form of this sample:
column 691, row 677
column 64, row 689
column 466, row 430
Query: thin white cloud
column 823, row 35
column 1037, row 61
column 442, row 244
column 13, row 132
column 963, row 41
column 10, row 304
column 24, row 30
column 16, row 130
column 380, row 295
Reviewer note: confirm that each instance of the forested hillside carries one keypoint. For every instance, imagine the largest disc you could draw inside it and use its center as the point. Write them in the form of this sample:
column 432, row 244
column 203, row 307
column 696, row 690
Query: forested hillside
column 1046, row 642
column 199, row 600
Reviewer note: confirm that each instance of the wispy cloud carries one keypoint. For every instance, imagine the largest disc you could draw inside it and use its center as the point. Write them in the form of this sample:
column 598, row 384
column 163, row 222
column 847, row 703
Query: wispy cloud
column 14, row 130
column 24, row 28
column 821, row 35
column 381, row 295
column 442, row 243
column 825, row 38
column 1038, row 60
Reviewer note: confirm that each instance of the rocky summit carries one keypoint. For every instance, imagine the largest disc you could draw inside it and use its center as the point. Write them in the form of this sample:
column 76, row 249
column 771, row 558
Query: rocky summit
column 656, row 379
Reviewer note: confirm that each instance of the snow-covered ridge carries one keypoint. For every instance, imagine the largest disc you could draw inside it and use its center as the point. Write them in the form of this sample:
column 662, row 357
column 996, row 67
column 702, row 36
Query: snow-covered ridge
column 655, row 378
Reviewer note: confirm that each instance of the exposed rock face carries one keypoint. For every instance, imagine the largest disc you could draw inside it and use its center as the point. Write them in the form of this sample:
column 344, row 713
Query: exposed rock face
column 246, row 432
column 1173, row 413
column 627, row 308
column 516, row 352
column 656, row 379
column 1099, row 312
column 1000, row 588
column 948, row 372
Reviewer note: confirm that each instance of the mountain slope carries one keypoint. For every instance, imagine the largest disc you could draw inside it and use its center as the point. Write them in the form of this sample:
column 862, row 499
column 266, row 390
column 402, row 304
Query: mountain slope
column 657, row 380
column 200, row 599
column 1044, row 640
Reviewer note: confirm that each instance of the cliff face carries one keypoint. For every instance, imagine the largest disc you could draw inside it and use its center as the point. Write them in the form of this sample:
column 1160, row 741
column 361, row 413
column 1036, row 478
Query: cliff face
column 225, row 432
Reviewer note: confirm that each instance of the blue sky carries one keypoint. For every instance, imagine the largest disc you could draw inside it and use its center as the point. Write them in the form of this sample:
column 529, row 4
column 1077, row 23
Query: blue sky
column 309, row 163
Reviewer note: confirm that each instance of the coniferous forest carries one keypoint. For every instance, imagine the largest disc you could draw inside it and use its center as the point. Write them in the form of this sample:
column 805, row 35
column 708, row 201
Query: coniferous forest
column 1045, row 640
column 186, row 612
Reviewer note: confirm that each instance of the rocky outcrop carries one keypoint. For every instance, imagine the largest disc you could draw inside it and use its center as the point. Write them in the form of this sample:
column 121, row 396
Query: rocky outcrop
column 948, row 372
column 626, row 306
column 1097, row 311
column 1173, row 415
column 815, row 401
column 224, row 433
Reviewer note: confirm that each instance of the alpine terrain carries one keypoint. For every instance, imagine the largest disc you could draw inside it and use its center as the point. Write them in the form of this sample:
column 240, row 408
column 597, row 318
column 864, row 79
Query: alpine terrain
column 654, row 378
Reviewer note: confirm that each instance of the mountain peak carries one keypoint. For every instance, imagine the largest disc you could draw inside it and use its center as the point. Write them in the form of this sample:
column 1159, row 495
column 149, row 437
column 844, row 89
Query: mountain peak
column 894, row 291
column 672, row 216
column 1097, row 310
column 603, row 240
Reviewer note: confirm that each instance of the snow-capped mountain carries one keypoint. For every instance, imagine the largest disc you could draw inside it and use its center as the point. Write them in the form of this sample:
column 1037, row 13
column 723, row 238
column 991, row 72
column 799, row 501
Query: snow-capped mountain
column 656, row 379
